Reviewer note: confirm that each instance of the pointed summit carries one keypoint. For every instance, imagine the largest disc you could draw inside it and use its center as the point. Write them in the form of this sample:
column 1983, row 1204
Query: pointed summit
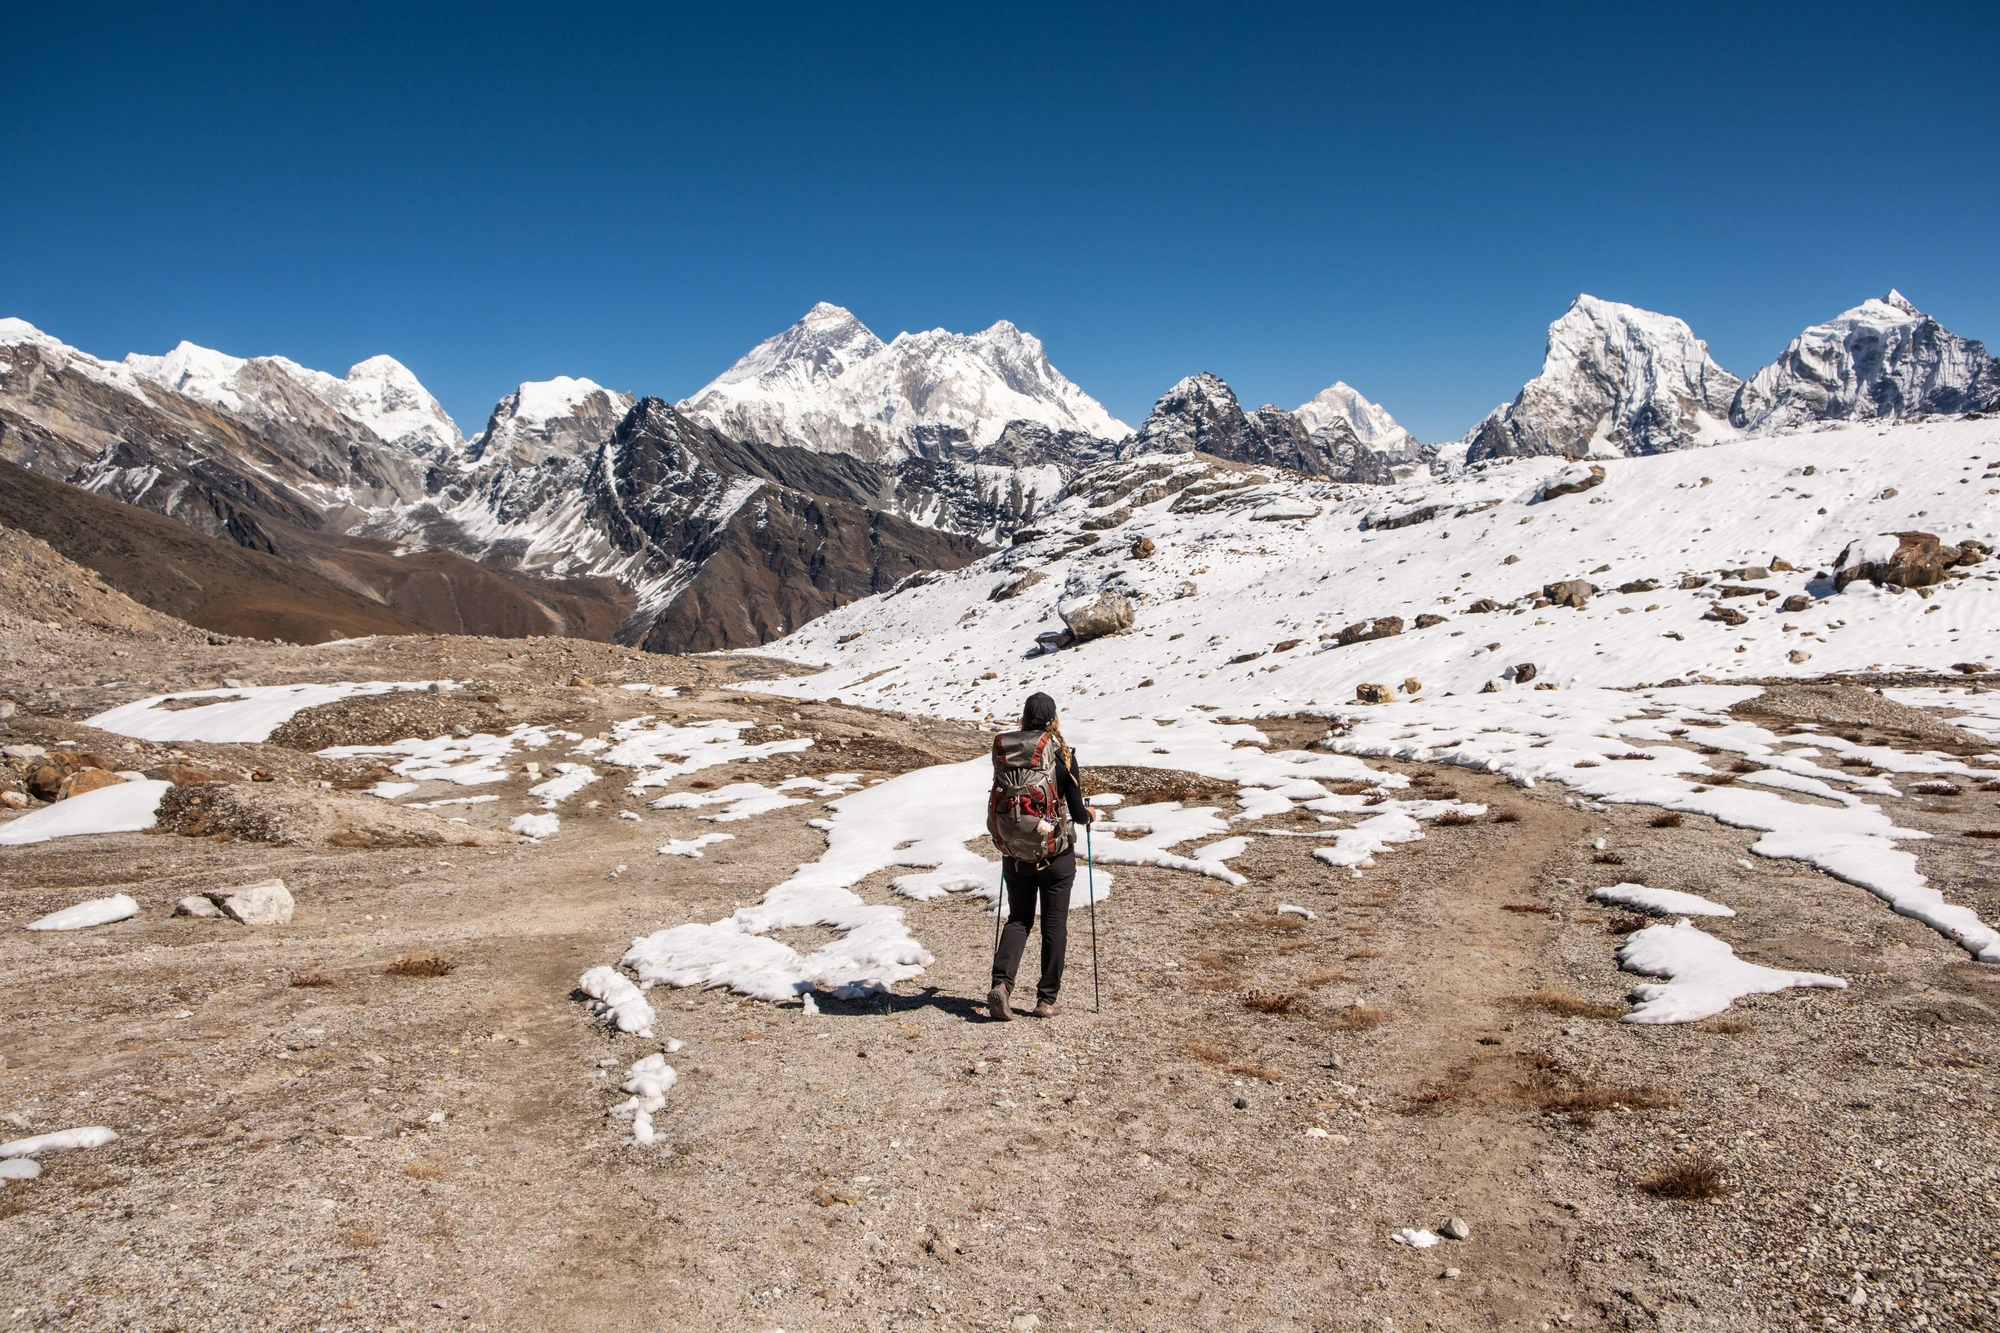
column 1370, row 422
column 1615, row 380
column 1881, row 361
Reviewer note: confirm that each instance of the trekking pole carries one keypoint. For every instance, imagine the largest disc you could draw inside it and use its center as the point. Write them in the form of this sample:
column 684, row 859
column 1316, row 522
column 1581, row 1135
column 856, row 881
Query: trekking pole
column 1090, row 873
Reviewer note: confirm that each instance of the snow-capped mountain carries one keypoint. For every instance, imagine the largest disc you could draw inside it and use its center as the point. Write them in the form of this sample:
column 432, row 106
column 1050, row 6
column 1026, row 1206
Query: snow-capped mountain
column 1201, row 415
column 1882, row 360
column 1370, row 422
column 548, row 418
column 828, row 383
column 1615, row 380
column 379, row 394
column 1260, row 592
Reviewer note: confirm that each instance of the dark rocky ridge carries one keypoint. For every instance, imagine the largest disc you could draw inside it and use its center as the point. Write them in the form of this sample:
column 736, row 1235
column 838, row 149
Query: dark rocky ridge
column 1201, row 415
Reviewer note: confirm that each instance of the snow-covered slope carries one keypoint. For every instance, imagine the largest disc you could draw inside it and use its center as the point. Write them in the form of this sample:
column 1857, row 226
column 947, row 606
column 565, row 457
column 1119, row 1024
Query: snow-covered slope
column 1884, row 359
column 828, row 383
column 1615, row 380
column 1370, row 422
column 1253, row 576
column 379, row 394
column 548, row 418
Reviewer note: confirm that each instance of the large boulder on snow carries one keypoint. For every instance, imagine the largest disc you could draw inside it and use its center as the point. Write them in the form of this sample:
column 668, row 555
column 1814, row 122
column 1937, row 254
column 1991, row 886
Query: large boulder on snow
column 1572, row 593
column 1576, row 477
column 1094, row 617
column 1901, row 559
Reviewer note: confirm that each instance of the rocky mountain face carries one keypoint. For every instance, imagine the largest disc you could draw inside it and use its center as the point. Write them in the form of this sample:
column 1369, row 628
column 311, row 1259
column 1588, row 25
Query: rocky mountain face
column 1615, row 379
column 544, row 419
column 1201, row 415
column 1882, row 360
column 828, row 383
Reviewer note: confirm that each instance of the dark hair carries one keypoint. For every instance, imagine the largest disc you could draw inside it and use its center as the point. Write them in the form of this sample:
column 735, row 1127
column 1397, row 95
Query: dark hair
column 1038, row 713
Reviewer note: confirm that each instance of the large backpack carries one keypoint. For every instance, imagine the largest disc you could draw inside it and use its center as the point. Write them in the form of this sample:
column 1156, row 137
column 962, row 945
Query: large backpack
column 1025, row 812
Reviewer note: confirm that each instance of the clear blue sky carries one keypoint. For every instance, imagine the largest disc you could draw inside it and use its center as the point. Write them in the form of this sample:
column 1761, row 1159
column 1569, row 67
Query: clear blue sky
column 1397, row 196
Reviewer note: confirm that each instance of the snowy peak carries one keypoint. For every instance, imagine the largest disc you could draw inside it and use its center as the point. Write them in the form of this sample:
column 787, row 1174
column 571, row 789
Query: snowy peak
column 1370, row 422
column 379, row 394
column 1883, row 360
column 1615, row 380
column 545, row 419
column 1200, row 414
column 829, row 384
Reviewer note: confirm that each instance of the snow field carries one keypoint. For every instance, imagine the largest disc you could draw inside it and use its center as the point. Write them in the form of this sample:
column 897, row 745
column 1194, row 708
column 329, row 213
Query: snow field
column 692, row 846
column 1258, row 584
column 126, row 808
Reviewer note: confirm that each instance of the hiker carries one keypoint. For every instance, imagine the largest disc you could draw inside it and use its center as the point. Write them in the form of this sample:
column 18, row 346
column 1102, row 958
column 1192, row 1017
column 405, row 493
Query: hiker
column 1036, row 802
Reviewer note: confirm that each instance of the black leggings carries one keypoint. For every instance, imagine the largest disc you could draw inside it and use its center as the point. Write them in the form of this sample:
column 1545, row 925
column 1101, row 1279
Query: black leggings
column 1027, row 884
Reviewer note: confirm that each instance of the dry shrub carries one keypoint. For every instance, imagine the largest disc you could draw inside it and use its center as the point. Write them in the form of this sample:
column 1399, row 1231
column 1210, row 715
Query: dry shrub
column 1745, row 766
column 306, row 980
column 1218, row 960
column 1363, row 954
column 1625, row 925
column 1272, row 1002
column 421, row 965
column 1285, row 924
column 1434, row 1099
column 1507, row 817
column 1208, row 1053
column 1980, row 833
column 1358, row 1019
column 1350, row 788
column 1564, row 1003
column 1584, row 763
column 1694, row 1177
column 361, row 1238
column 1555, row 1092
column 1537, row 908
column 1326, row 978
column 431, row 1168
column 1608, row 859
column 1938, row 788
column 1855, row 761
column 1216, row 985
column 1454, row 819
column 1729, row 1026
column 1249, row 1070
column 1721, row 780
column 1668, row 820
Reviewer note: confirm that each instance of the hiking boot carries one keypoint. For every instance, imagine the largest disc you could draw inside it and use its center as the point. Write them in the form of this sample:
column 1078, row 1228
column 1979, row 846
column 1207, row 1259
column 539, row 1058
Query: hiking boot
column 1046, row 1009
column 997, row 1007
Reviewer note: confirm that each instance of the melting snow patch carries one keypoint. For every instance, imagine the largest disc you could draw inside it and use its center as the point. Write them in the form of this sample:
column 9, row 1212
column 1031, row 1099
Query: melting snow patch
column 468, row 761
column 96, row 912
column 126, row 808
column 1416, row 1239
column 618, row 999
column 20, row 1168
column 648, row 1081
column 1293, row 909
column 239, row 716
column 569, row 780
column 536, row 826
column 1704, row 975
column 1660, row 902
column 661, row 752
column 63, row 1140
column 692, row 846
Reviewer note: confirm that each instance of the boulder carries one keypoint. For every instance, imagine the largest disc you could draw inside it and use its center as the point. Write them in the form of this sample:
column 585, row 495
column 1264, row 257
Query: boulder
column 1363, row 630
column 1796, row 603
column 1969, row 668
column 86, row 779
column 267, row 903
column 1371, row 693
column 1142, row 549
column 44, row 781
column 1411, row 685
column 1094, row 617
column 1053, row 640
column 1728, row 615
column 1573, row 593
column 1186, row 588
column 1798, row 655
column 1426, row 621
column 1639, row 585
column 14, row 800
column 197, row 904
column 1482, row 606
column 1007, row 591
column 1896, row 559
column 1576, row 477
column 1524, row 673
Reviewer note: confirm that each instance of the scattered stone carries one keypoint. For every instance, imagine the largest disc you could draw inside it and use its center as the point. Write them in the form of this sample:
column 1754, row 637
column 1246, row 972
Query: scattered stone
column 1363, row 630
column 1003, row 592
column 1242, row 1103
column 1689, row 582
column 181, row 775
column 1142, row 549
column 1482, row 606
column 22, row 751
column 86, row 779
column 1369, row 692
column 1094, row 617
column 1796, row 603
column 1492, row 687
column 1286, row 645
column 1798, row 655
column 583, row 682
column 1186, row 588
column 1639, row 585
column 1241, row 658
column 197, row 904
column 1511, row 560
column 1426, row 621
column 1455, row 1229
column 1969, row 668
column 1728, row 615
column 1571, row 480
column 1411, row 685
column 1523, row 673
column 1573, row 593
column 1918, row 560
column 7, row 709
column 14, row 800
column 268, row 903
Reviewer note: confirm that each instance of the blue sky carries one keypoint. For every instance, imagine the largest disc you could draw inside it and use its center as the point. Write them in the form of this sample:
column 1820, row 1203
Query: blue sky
column 1284, row 196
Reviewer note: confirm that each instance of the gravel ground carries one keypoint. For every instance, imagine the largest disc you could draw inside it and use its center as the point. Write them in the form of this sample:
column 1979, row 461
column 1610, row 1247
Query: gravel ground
column 321, row 1127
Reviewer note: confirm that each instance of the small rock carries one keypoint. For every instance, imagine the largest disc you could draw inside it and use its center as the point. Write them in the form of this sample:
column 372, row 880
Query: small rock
column 196, row 904
column 1369, row 692
column 1411, row 685
column 1142, row 549
column 1426, row 621
column 1728, row 615
column 1451, row 1272
column 22, row 751
column 1025, row 1323
column 1796, row 603
column 1573, row 593
column 14, row 800
column 583, row 682
column 1524, row 673
column 1455, row 1229
column 1491, row 687
column 1798, row 655
column 7, row 709
column 1242, row 1103
column 265, row 904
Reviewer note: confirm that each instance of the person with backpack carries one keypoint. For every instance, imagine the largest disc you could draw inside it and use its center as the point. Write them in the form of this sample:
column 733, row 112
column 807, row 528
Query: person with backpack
column 1032, row 813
